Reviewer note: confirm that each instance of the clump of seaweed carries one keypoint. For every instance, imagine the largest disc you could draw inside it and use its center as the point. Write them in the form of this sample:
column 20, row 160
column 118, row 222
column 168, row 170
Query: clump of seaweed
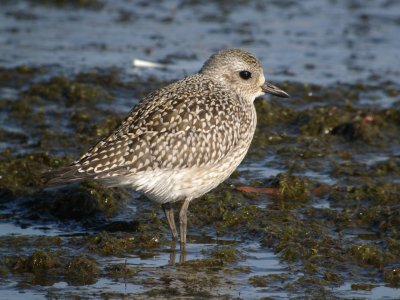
column 67, row 92
column 392, row 276
column 22, row 174
column 82, row 270
column 39, row 261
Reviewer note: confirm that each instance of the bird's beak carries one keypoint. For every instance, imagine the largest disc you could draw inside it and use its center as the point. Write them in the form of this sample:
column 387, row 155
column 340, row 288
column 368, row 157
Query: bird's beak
column 271, row 89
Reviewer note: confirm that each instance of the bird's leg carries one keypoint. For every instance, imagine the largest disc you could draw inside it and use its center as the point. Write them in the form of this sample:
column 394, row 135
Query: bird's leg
column 169, row 214
column 172, row 254
column 183, row 223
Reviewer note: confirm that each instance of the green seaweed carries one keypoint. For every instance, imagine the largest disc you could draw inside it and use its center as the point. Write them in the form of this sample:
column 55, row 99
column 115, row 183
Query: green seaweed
column 86, row 202
column 392, row 276
column 258, row 281
column 67, row 92
column 119, row 271
column 22, row 174
column 226, row 254
column 82, row 270
column 369, row 255
column 362, row 286
column 111, row 245
column 39, row 261
column 293, row 188
column 19, row 76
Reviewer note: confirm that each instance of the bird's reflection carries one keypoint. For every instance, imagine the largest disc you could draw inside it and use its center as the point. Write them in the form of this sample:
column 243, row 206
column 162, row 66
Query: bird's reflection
column 173, row 251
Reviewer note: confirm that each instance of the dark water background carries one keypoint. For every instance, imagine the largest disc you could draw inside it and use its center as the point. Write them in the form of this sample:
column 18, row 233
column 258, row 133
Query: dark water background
column 308, row 41
column 328, row 44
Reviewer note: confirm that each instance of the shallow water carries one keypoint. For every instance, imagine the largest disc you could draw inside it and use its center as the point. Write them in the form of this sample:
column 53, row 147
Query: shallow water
column 331, row 151
column 321, row 41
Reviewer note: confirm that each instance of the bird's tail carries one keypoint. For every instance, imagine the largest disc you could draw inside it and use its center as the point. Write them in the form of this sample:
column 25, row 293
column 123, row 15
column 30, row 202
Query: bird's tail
column 64, row 175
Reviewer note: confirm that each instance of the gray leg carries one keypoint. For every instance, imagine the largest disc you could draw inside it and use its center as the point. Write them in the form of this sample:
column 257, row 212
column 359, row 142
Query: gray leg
column 169, row 214
column 183, row 223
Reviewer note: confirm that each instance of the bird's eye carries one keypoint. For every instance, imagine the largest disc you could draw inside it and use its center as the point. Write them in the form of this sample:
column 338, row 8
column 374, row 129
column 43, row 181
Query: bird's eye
column 245, row 74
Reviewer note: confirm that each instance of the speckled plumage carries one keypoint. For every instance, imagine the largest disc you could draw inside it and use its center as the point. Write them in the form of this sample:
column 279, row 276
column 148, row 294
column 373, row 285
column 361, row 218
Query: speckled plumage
column 184, row 139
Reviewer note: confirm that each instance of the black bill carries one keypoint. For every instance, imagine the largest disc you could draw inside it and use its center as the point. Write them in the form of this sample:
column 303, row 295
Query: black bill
column 272, row 89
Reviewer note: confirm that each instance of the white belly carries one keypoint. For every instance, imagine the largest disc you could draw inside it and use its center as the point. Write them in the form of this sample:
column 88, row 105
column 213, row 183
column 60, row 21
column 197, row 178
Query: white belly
column 171, row 185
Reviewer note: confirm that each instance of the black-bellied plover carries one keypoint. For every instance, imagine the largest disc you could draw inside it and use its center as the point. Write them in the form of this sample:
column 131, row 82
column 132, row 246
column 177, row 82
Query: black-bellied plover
column 182, row 140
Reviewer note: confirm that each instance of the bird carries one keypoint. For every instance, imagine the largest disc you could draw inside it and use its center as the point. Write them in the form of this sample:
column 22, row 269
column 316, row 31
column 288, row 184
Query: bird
column 182, row 140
